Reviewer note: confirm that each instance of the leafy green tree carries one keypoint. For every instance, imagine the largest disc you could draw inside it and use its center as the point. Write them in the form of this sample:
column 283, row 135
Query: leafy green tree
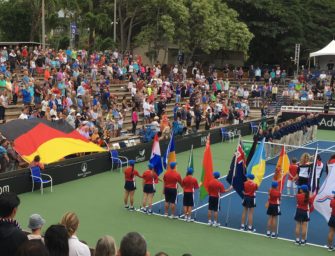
column 214, row 26
column 15, row 22
column 279, row 25
column 207, row 25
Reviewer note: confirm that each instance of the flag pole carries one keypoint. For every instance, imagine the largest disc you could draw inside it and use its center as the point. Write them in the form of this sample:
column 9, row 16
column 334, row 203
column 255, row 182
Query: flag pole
column 168, row 150
column 232, row 179
column 189, row 158
column 312, row 180
column 314, row 167
column 281, row 184
column 196, row 205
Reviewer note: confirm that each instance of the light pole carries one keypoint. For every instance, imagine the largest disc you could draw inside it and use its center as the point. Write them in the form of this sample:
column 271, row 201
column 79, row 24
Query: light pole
column 43, row 25
column 114, row 36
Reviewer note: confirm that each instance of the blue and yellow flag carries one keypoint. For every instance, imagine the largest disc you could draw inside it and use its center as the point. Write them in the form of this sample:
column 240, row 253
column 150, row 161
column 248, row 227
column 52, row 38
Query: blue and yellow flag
column 256, row 165
column 170, row 154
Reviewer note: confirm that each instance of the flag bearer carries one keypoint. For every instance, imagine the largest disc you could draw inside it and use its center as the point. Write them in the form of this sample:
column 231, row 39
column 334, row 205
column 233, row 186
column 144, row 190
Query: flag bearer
column 130, row 186
column 189, row 184
column 215, row 189
column 273, row 210
column 171, row 179
column 292, row 176
column 249, row 203
column 304, row 204
column 150, row 178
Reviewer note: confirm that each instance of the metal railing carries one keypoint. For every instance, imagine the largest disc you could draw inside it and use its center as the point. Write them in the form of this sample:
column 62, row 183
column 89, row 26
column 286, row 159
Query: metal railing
column 306, row 109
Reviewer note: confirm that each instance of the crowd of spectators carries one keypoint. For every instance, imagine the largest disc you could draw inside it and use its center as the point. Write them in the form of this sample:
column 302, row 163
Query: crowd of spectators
column 74, row 86
column 59, row 239
column 311, row 86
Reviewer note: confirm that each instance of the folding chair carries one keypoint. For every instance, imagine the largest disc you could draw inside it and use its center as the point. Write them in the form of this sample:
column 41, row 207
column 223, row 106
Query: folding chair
column 254, row 128
column 132, row 142
column 116, row 146
column 117, row 159
column 226, row 135
column 37, row 177
column 123, row 144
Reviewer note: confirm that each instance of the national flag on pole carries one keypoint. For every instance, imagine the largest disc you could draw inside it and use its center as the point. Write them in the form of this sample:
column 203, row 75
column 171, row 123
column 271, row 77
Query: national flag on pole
column 170, row 154
column 251, row 151
column 246, row 146
column 256, row 165
column 236, row 176
column 155, row 157
column 282, row 168
column 322, row 199
column 190, row 159
column 207, row 170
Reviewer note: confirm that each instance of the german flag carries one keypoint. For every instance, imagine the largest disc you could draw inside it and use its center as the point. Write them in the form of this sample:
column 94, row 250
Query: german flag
column 52, row 141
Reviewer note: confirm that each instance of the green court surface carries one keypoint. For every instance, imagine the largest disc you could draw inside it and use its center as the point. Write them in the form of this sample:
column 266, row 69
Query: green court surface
column 98, row 202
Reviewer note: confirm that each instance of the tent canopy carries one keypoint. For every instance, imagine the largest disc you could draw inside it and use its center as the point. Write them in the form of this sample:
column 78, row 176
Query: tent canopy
column 326, row 51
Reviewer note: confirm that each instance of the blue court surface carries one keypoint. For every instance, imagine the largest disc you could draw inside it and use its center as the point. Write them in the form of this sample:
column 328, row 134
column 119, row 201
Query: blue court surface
column 231, row 204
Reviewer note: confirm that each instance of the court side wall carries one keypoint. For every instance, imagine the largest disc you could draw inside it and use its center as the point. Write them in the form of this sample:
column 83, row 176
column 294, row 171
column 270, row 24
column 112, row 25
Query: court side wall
column 85, row 166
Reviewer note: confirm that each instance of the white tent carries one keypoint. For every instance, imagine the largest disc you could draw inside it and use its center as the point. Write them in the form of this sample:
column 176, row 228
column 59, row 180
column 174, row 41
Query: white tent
column 325, row 58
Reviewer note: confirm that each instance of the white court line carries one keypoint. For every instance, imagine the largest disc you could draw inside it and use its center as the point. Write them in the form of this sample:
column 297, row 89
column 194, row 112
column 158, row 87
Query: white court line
column 327, row 149
column 237, row 230
column 266, row 193
column 257, row 234
column 323, row 140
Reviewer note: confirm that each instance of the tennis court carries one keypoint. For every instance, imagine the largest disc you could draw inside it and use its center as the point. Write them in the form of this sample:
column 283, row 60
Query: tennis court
column 98, row 202
column 231, row 204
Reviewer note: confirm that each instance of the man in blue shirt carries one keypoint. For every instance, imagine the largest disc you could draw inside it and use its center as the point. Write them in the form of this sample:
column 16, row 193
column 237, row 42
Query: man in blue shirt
column 3, row 155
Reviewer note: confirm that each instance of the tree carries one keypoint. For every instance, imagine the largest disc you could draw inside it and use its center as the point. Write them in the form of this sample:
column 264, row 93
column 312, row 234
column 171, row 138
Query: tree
column 165, row 22
column 214, row 26
column 20, row 29
column 207, row 25
column 279, row 25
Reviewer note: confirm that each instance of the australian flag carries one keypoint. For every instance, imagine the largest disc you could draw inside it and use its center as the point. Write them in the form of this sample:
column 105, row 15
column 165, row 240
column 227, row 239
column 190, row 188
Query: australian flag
column 236, row 176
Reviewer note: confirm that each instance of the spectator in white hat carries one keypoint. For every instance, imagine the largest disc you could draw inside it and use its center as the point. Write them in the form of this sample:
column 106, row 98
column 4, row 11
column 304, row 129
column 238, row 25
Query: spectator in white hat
column 35, row 224
column 71, row 118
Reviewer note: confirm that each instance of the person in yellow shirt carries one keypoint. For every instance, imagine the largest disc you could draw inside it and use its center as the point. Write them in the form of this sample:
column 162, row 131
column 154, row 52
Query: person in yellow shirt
column 165, row 125
column 274, row 92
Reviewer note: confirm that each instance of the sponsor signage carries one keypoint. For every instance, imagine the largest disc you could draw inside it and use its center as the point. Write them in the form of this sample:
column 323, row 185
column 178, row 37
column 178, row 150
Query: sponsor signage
column 84, row 170
column 140, row 155
column 4, row 189
column 327, row 123
column 203, row 140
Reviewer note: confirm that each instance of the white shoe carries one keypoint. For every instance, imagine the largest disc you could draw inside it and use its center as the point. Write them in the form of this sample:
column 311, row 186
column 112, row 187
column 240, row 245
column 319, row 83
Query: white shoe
column 209, row 223
column 251, row 229
column 216, row 224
